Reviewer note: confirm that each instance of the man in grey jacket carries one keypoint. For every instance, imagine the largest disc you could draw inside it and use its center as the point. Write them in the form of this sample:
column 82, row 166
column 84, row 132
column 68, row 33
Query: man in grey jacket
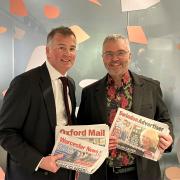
column 136, row 93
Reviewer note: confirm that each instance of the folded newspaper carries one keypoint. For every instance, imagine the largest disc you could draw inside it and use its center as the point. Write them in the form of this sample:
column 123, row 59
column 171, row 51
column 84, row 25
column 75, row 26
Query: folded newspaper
column 84, row 147
column 137, row 134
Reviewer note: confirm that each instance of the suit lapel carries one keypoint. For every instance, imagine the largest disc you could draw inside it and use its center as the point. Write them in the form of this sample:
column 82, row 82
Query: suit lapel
column 137, row 93
column 101, row 100
column 48, row 95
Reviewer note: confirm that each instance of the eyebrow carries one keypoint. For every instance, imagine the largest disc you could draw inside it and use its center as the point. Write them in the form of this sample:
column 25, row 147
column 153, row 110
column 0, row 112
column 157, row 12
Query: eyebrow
column 120, row 50
column 65, row 45
column 107, row 51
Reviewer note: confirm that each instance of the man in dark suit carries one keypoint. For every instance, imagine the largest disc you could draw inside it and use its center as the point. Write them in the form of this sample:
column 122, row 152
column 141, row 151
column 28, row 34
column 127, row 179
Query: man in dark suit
column 32, row 108
column 136, row 93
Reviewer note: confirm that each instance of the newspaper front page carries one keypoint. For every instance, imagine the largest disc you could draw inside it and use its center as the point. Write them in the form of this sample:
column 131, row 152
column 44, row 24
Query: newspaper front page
column 137, row 134
column 84, row 147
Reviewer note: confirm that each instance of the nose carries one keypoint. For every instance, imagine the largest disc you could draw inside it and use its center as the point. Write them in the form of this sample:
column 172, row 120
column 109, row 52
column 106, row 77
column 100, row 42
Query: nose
column 115, row 57
column 66, row 52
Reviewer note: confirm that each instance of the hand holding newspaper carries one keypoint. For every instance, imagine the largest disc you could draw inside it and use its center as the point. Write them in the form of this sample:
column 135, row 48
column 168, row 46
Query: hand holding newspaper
column 137, row 134
column 84, row 148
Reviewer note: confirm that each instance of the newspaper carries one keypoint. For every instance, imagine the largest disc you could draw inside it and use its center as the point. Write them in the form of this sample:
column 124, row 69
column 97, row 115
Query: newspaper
column 84, row 147
column 96, row 134
column 137, row 134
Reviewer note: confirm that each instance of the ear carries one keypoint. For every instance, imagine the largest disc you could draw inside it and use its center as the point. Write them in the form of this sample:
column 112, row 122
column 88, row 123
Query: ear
column 47, row 49
column 102, row 54
column 130, row 56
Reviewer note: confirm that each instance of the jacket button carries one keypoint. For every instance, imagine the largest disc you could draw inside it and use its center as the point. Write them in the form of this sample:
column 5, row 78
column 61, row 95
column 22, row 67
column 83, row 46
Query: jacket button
column 46, row 173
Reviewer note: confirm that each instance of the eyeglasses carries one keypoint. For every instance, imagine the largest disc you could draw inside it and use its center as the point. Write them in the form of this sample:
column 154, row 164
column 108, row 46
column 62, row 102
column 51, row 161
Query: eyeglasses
column 119, row 54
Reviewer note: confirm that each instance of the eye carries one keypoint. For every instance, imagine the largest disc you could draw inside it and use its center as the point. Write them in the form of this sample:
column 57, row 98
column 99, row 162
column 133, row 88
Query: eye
column 72, row 49
column 122, row 53
column 62, row 48
column 108, row 54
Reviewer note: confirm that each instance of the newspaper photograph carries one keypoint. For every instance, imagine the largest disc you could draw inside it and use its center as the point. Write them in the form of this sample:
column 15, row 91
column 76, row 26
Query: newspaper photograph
column 84, row 147
column 137, row 134
column 79, row 154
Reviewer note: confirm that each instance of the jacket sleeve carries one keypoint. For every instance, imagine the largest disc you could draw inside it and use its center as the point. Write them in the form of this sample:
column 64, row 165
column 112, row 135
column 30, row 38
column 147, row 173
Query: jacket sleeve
column 82, row 115
column 13, row 114
column 162, row 113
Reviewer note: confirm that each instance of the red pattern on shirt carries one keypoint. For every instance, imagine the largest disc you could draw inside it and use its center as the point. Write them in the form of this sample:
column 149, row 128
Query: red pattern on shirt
column 119, row 97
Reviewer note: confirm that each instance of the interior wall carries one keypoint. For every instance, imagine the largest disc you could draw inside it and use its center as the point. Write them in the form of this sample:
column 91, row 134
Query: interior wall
column 159, row 59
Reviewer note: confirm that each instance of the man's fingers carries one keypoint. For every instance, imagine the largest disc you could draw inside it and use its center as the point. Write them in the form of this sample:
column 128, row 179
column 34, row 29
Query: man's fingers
column 162, row 146
column 113, row 141
column 58, row 156
column 164, row 142
column 49, row 163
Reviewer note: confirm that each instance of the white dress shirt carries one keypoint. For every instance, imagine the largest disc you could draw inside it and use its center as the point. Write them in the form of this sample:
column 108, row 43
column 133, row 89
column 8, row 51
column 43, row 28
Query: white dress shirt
column 61, row 116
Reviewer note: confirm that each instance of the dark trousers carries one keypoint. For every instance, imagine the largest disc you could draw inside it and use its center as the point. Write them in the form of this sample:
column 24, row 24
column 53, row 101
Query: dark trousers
column 121, row 176
column 16, row 172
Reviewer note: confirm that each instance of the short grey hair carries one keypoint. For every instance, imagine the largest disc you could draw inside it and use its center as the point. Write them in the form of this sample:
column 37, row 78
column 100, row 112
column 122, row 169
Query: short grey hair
column 115, row 37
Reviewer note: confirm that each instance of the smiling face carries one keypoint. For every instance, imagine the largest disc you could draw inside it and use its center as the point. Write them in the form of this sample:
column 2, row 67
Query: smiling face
column 61, row 52
column 116, row 56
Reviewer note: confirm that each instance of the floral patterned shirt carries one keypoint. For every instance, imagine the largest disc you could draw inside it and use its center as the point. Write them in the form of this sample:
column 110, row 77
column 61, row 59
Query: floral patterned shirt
column 119, row 97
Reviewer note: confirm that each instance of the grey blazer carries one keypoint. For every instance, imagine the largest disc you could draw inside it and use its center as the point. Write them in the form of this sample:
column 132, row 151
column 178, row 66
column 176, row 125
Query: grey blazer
column 147, row 101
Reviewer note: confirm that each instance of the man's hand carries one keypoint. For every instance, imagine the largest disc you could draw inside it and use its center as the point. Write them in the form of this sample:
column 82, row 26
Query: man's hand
column 49, row 163
column 164, row 142
column 113, row 141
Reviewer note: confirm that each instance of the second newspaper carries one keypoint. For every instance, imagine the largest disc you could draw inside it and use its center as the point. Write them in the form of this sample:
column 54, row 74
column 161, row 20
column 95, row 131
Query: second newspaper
column 137, row 134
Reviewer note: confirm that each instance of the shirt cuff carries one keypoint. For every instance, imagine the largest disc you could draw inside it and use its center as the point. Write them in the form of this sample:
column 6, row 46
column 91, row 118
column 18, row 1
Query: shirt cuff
column 37, row 167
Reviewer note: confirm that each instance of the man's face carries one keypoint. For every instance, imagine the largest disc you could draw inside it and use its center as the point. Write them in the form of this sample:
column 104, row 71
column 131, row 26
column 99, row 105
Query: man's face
column 61, row 52
column 116, row 57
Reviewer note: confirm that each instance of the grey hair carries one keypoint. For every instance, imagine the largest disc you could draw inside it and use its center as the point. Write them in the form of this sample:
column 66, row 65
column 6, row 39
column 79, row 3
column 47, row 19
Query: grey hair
column 115, row 37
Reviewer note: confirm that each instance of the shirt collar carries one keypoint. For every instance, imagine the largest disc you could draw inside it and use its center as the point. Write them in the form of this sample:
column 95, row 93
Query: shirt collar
column 124, row 81
column 54, row 74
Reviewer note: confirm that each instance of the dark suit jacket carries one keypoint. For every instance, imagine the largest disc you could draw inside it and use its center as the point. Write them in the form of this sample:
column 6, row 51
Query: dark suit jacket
column 27, row 124
column 147, row 101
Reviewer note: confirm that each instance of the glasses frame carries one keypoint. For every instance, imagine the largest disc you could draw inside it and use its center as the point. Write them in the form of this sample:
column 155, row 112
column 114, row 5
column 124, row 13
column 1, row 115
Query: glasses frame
column 111, row 54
